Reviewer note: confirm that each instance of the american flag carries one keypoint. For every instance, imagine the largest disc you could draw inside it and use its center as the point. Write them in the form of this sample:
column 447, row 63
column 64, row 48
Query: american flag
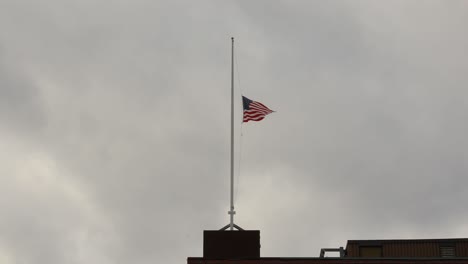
column 254, row 111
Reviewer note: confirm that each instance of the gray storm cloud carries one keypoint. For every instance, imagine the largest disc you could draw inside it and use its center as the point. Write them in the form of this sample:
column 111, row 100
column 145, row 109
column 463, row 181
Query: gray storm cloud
column 114, row 125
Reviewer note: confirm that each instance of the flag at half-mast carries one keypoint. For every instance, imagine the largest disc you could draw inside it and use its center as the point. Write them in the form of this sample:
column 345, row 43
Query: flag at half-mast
column 254, row 111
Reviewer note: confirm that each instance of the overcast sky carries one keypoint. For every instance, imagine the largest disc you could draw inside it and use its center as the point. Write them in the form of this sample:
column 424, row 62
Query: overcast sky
column 114, row 125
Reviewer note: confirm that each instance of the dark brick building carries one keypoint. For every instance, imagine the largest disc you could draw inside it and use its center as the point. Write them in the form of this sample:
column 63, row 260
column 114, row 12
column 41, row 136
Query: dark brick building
column 243, row 247
column 408, row 248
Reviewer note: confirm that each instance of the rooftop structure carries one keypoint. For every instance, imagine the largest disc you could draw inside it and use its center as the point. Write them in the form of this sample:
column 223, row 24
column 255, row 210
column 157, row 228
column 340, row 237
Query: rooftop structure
column 243, row 247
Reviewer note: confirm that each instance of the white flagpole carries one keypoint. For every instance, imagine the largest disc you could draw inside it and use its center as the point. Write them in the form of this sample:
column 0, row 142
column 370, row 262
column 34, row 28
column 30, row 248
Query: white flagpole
column 232, row 212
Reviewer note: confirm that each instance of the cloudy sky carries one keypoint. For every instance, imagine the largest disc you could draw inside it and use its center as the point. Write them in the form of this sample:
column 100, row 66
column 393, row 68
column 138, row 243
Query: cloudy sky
column 114, row 125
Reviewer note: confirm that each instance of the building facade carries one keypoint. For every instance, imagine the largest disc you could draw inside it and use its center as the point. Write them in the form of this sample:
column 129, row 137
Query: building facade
column 243, row 247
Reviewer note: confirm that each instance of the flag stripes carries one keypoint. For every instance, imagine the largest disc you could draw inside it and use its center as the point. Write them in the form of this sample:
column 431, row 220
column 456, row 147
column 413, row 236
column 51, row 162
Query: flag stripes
column 254, row 111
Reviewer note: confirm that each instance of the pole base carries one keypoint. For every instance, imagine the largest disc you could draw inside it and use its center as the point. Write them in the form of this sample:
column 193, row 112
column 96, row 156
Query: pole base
column 229, row 225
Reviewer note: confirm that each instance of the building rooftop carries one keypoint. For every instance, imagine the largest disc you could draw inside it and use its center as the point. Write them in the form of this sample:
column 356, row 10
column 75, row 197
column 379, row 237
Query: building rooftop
column 243, row 247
